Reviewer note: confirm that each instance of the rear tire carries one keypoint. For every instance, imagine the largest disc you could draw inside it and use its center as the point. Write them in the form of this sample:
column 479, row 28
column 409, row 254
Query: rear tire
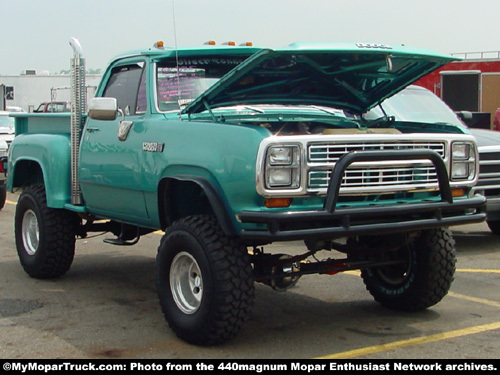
column 45, row 237
column 205, row 281
column 422, row 280
column 494, row 226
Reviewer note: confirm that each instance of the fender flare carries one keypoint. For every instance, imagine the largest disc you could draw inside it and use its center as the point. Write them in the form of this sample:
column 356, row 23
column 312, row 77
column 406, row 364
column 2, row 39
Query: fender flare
column 213, row 195
column 50, row 153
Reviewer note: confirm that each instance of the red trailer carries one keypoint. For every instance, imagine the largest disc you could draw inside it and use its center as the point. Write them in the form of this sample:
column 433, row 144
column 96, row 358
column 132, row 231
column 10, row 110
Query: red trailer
column 471, row 84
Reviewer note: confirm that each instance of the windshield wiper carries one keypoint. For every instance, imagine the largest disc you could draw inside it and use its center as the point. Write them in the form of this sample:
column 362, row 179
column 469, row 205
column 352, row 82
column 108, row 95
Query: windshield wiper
column 334, row 112
column 380, row 122
column 255, row 109
column 385, row 119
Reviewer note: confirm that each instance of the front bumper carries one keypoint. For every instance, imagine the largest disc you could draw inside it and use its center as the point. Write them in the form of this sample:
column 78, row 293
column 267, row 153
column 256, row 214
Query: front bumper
column 331, row 222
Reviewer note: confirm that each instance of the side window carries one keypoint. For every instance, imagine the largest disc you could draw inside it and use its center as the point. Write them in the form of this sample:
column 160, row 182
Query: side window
column 128, row 86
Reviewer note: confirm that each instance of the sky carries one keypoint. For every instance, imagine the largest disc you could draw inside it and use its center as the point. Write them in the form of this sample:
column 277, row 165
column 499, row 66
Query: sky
column 36, row 33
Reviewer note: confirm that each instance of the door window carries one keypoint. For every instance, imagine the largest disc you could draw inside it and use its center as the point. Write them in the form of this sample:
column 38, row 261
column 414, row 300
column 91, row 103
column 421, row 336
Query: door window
column 128, row 85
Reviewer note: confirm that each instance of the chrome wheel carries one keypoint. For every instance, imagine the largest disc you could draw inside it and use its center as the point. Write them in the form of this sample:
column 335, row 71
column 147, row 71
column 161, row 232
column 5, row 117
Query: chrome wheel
column 30, row 232
column 204, row 280
column 186, row 283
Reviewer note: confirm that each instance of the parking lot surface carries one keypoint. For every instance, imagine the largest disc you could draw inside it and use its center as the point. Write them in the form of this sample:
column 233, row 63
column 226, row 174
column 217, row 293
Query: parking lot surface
column 106, row 307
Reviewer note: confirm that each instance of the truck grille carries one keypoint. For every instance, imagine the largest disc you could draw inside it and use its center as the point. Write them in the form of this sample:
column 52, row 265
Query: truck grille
column 489, row 172
column 371, row 178
column 331, row 152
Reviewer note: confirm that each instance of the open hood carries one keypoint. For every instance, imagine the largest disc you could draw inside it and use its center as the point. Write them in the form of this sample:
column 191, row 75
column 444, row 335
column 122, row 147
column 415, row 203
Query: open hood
column 352, row 77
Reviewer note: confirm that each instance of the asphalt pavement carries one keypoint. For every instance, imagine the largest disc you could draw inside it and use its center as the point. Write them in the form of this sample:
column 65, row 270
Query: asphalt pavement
column 106, row 307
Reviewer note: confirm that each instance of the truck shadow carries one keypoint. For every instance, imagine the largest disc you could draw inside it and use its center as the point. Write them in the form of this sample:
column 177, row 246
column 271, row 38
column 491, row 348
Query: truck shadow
column 481, row 241
column 106, row 307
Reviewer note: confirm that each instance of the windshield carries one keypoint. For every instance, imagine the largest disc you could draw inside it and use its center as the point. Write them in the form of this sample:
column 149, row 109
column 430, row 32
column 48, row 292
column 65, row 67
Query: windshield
column 415, row 104
column 179, row 82
column 6, row 124
column 178, row 87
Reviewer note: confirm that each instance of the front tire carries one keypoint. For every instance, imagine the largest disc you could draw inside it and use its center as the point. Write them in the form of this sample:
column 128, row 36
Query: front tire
column 45, row 237
column 205, row 281
column 424, row 277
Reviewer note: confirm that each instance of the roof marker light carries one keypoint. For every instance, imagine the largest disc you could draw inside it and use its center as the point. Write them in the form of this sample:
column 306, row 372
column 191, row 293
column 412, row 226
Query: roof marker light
column 230, row 43
column 159, row 44
column 210, row 43
column 247, row 44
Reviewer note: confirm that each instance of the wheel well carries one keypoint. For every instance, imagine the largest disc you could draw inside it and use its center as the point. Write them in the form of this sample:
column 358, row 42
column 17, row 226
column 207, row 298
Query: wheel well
column 27, row 172
column 179, row 198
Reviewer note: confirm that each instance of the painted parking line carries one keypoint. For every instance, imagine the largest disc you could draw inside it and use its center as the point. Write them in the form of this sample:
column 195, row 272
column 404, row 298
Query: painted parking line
column 474, row 299
column 478, row 270
column 413, row 342
column 10, row 202
column 426, row 339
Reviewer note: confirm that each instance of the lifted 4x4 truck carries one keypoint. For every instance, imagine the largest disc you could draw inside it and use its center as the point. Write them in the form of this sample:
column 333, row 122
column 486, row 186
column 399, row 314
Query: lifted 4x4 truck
column 227, row 149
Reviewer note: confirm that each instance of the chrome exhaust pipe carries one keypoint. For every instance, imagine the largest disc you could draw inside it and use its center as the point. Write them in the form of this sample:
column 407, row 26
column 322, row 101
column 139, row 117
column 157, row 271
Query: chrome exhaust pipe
column 78, row 108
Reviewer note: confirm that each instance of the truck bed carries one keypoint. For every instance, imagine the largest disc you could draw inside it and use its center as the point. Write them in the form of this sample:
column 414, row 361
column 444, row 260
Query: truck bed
column 53, row 123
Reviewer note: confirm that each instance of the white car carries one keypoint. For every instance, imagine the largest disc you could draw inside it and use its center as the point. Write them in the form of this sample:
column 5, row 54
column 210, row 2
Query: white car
column 7, row 129
column 7, row 134
column 417, row 105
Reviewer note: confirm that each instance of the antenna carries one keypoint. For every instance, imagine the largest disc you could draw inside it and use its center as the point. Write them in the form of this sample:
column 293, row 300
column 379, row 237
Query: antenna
column 176, row 56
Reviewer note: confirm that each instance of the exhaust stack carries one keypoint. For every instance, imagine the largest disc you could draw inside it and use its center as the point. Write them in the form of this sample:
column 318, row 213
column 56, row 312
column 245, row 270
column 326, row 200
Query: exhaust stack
column 78, row 108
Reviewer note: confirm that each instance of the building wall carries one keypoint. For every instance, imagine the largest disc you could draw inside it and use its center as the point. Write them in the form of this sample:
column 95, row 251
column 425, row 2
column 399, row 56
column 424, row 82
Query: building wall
column 31, row 90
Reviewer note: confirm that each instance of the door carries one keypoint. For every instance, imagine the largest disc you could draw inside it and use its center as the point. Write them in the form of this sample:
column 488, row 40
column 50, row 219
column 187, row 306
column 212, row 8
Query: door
column 110, row 159
column 460, row 90
column 490, row 94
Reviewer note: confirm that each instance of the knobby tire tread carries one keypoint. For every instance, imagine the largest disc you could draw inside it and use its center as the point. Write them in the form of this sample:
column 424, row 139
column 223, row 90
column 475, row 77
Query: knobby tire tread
column 433, row 274
column 57, row 242
column 232, row 280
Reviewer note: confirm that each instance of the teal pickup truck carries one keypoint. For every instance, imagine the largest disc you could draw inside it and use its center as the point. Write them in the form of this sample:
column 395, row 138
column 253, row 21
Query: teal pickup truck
column 230, row 148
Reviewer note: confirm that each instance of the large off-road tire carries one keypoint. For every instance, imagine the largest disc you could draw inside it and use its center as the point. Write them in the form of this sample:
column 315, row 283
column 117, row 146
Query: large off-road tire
column 45, row 237
column 3, row 195
column 494, row 226
column 422, row 280
column 205, row 281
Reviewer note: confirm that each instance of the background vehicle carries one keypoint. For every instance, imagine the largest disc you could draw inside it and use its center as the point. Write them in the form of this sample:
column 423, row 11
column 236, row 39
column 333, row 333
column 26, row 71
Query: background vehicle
column 489, row 174
column 15, row 109
column 496, row 120
column 421, row 105
column 6, row 136
column 7, row 129
column 228, row 149
column 470, row 84
column 53, row 107
column 3, row 161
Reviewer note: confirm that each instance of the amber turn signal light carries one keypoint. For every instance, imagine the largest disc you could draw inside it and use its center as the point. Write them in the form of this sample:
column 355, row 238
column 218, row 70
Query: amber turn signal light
column 458, row 192
column 278, row 202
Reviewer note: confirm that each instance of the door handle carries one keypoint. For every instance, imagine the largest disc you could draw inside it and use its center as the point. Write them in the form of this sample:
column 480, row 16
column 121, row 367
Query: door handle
column 123, row 129
column 92, row 130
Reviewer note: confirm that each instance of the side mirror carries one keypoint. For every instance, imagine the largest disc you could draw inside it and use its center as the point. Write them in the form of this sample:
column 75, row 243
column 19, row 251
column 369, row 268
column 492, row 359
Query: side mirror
column 105, row 109
column 465, row 116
